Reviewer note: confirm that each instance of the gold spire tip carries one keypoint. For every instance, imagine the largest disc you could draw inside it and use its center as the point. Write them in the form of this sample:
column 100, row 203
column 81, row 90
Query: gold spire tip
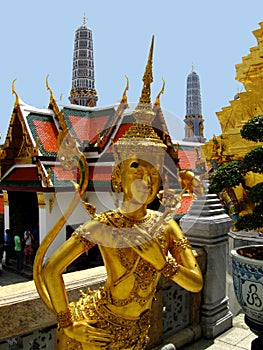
column 147, row 78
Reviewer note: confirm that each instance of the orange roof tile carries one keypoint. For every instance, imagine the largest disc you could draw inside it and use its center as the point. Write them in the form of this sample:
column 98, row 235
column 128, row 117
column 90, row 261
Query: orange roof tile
column 187, row 159
column 99, row 173
column 63, row 174
column 47, row 134
column 88, row 128
column 185, row 204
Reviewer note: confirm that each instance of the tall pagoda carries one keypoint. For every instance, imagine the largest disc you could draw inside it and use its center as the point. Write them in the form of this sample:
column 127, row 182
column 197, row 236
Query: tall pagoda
column 194, row 123
column 83, row 92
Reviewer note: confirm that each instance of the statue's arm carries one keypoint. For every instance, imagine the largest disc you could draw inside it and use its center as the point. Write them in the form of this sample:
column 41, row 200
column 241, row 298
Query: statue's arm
column 70, row 250
column 187, row 272
column 81, row 240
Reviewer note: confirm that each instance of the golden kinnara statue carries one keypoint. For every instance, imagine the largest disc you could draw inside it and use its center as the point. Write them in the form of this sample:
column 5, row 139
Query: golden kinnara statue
column 138, row 245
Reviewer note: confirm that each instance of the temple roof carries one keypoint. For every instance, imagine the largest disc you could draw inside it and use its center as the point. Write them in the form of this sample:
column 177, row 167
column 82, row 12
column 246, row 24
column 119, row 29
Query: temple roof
column 21, row 177
column 29, row 157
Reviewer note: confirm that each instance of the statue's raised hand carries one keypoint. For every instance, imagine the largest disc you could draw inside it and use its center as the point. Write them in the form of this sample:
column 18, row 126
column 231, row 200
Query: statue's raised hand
column 146, row 246
column 86, row 332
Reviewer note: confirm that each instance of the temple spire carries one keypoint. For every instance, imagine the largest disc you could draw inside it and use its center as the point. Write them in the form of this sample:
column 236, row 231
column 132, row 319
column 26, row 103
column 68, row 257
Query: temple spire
column 143, row 113
column 194, row 123
column 83, row 91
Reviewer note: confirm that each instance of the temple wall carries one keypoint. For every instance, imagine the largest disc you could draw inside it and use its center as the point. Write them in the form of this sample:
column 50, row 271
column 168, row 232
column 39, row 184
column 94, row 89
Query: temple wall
column 49, row 214
column 56, row 205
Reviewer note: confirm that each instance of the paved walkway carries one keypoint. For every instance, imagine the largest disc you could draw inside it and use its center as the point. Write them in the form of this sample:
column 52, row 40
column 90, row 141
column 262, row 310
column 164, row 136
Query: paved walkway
column 7, row 278
column 239, row 337
column 9, row 274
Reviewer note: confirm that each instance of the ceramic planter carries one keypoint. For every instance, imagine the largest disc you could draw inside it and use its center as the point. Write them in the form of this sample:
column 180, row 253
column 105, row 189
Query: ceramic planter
column 248, row 285
column 248, row 282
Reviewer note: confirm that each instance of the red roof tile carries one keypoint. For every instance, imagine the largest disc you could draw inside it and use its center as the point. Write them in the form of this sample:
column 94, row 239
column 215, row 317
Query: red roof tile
column 122, row 130
column 47, row 134
column 2, row 209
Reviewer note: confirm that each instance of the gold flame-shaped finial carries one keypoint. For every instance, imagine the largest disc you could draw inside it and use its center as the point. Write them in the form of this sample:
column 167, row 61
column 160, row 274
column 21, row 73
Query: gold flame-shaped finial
column 47, row 85
column 51, row 98
column 124, row 96
column 147, row 78
column 84, row 20
column 157, row 100
column 14, row 92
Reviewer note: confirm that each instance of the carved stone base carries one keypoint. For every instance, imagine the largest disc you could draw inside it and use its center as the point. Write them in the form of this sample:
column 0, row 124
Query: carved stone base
column 215, row 319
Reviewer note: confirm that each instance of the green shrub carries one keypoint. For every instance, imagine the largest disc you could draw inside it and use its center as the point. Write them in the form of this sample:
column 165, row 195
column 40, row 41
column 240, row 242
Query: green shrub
column 229, row 175
column 226, row 176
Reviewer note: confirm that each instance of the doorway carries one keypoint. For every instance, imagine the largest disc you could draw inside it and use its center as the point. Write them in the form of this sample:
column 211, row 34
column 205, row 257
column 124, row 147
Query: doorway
column 23, row 211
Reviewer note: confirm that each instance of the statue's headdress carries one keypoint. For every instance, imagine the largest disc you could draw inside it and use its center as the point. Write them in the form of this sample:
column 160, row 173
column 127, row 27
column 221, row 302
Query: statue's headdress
column 141, row 139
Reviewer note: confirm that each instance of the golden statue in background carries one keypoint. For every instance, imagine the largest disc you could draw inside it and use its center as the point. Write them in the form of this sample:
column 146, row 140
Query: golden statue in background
column 138, row 245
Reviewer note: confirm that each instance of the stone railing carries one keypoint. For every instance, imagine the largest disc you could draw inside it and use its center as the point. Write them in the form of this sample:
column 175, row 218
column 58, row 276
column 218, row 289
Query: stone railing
column 27, row 324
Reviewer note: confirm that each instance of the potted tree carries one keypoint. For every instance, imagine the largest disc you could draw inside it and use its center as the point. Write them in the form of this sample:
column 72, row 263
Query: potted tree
column 247, row 215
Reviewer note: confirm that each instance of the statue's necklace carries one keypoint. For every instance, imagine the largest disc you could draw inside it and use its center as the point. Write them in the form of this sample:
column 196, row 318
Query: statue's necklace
column 133, row 221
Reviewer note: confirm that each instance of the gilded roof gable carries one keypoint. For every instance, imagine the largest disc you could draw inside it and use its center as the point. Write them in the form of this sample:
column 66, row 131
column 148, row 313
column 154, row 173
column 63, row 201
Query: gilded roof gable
column 243, row 107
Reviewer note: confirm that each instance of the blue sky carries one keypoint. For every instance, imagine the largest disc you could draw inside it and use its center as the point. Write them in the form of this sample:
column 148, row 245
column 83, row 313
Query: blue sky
column 37, row 40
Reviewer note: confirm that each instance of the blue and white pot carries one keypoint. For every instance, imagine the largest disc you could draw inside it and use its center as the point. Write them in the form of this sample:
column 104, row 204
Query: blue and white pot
column 248, row 280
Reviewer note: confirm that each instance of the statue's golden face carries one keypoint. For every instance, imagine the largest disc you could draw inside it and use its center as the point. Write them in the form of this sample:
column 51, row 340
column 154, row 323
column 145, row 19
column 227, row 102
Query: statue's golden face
column 140, row 180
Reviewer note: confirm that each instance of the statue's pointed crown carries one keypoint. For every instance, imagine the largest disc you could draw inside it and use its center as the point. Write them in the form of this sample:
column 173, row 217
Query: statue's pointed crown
column 141, row 137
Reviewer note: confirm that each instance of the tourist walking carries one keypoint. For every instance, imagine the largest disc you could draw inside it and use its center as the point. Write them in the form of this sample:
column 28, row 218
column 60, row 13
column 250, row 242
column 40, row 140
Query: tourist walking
column 7, row 246
column 28, row 248
column 18, row 250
